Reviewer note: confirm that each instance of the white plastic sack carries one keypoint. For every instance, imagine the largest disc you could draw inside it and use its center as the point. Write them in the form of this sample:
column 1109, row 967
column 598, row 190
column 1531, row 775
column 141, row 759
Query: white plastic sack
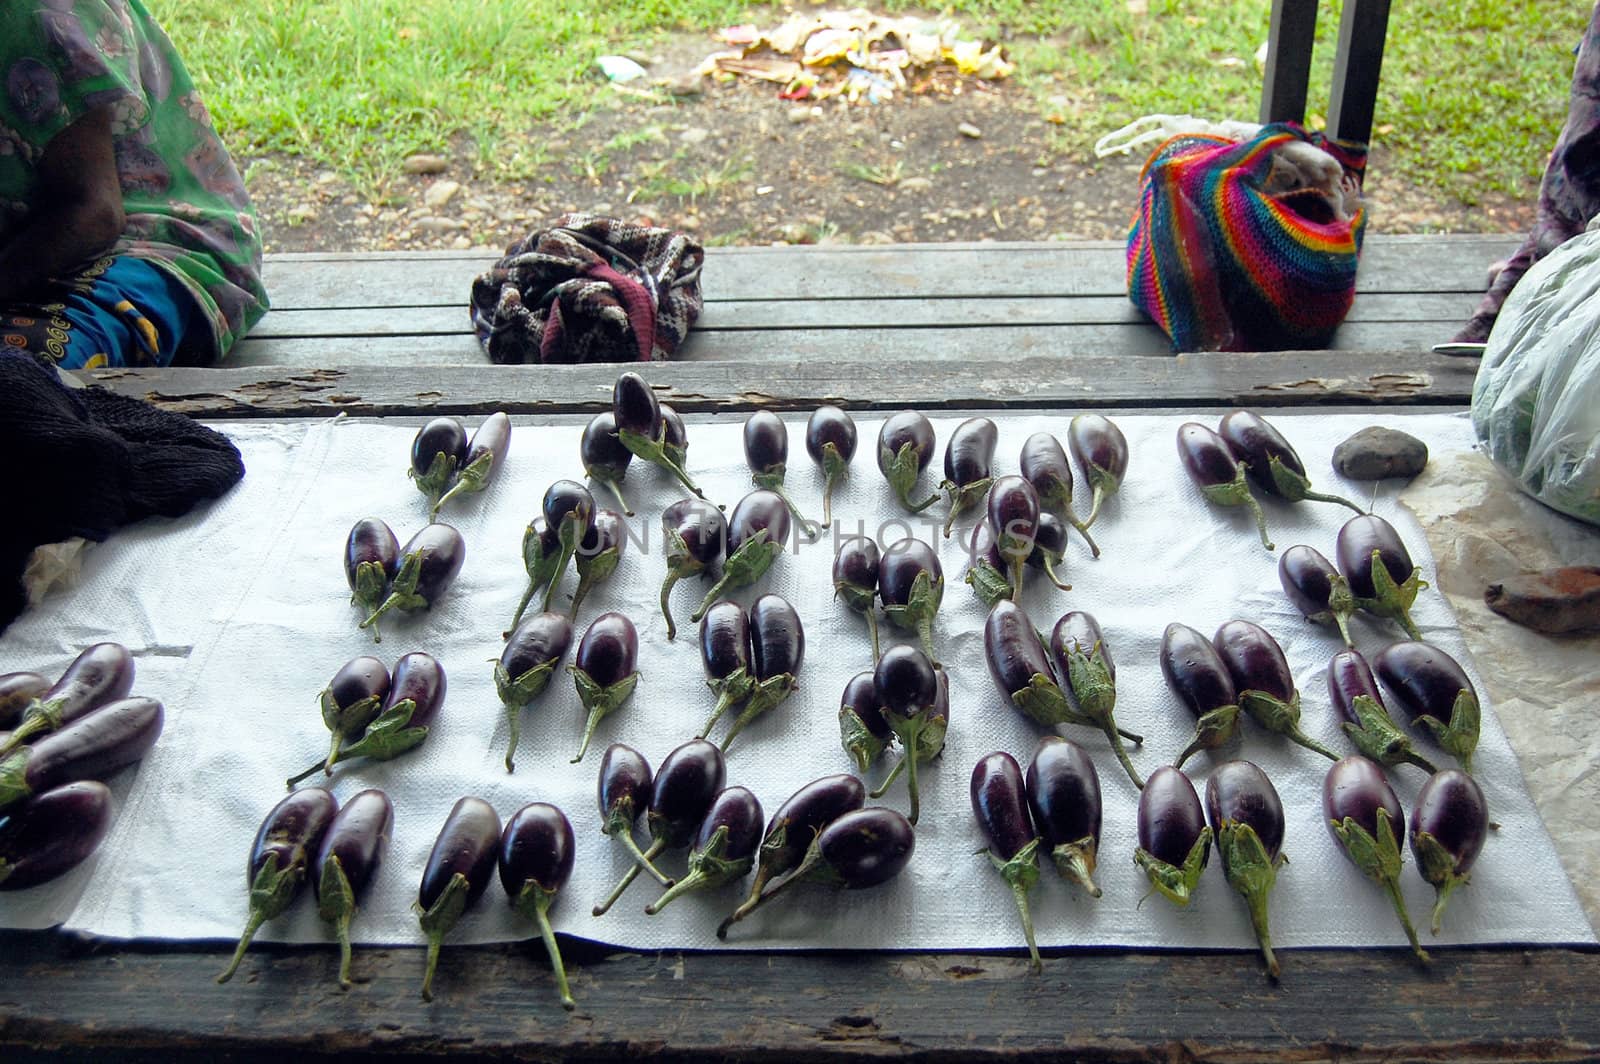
column 1536, row 400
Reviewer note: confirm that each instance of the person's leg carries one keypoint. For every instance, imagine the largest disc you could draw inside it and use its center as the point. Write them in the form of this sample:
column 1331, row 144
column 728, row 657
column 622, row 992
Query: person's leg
column 119, row 312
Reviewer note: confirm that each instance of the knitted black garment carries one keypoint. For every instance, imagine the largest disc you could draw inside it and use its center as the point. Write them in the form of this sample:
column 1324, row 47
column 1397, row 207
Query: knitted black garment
column 87, row 461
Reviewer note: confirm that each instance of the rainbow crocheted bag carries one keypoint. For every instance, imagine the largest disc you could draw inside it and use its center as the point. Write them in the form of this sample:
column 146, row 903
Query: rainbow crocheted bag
column 1248, row 246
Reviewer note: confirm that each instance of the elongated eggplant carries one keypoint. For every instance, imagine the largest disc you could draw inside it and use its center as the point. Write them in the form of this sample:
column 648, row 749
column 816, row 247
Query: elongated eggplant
column 484, row 457
column 1083, row 662
column 911, row 587
column 569, row 513
column 429, row 561
column 1246, row 817
column 351, row 701
column 777, row 647
column 907, row 689
column 280, row 860
column 599, row 553
column 1433, row 689
column 1021, row 669
column 101, row 674
column 695, row 535
column 766, row 449
column 1317, row 589
column 1219, row 476
column 1000, row 805
column 1174, row 840
column 531, row 656
column 1102, row 450
column 19, row 690
column 724, row 846
column 862, row 729
column 855, row 580
column 1269, row 460
column 605, row 670
column 680, row 796
column 1449, row 824
column 1197, row 675
column 1064, row 798
column 1049, row 548
column 642, row 428
column 346, row 861
column 758, row 531
column 794, row 827
column 371, row 561
column 725, row 654
column 831, row 442
column 91, row 747
column 605, row 460
column 624, row 792
column 905, row 447
column 968, row 466
column 1266, row 686
column 1367, row 822
column 1355, row 697
column 537, row 852
column 437, row 452
column 1044, row 465
column 1013, row 514
column 1378, row 568
column 541, row 550
column 459, row 868
column 53, row 833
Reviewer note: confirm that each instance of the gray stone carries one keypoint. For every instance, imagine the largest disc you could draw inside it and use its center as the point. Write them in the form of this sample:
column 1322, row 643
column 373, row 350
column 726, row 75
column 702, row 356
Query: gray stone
column 440, row 193
column 1377, row 453
column 967, row 129
column 425, row 164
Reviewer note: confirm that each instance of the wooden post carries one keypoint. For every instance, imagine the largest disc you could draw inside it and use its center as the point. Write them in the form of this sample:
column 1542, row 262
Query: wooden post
column 1288, row 69
column 1356, row 66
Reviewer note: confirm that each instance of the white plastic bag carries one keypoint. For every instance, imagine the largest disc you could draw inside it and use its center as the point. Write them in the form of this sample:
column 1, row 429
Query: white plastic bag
column 1536, row 400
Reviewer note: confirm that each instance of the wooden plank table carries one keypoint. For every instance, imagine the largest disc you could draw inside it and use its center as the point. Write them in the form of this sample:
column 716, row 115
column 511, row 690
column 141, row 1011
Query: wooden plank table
column 940, row 328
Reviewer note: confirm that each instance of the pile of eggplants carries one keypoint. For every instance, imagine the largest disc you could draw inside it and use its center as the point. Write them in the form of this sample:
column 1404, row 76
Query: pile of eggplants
column 758, row 531
column 91, row 747
column 1354, row 693
column 374, row 714
column 681, row 792
column 422, row 569
column 792, row 830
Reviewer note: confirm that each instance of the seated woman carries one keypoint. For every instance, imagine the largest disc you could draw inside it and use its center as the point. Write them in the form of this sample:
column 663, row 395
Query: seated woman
column 126, row 235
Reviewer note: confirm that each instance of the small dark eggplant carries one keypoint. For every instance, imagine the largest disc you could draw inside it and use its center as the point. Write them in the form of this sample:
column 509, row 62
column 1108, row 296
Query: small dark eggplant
column 1102, row 450
column 1266, row 686
column 485, row 455
column 280, row 860
column 724, row 847
column 1367, row 821
column 53, row 833
column 1197, row 675
column 1083, row 662
column 414, row 699
column 831, row 442
column 1064, row 798
column 429, row 561
column 674, row 437
column 1449, row 824
column 1247, row 821
column 624, row 791
column 541, row 550
column 91, row 747
column 101, row 674
column 725, row 654
column 605, row 670
column 696, row 538
column 968, row 466
column 862, row 729
column 1316, row 588
column 911, row 587
column 437, row 452
column 351, row 701
column 1013, row 513
column 855, row 579
column 20, row 690
column 758, row 531
column 642, row 427
column 792, row 830
column 907, row 688
column 777, row 647
column 1433, row 689
column 1355, row 697
column 605, row 460
column 1049, row 548
column 346, row 861
column 458, row 871
column 569, row 513
column 1269, row 460
column 905, row 447
column 1021, row 669
column 986, row 567
column 1044, row 465
column 599, row 553
column 766, row 449
column 1218, row 475
column 1378, row 568
column 1000, row 804
column 680, row 796
column 537, row 851
column 1174, row 841
column 523, row 671
column 371, row 560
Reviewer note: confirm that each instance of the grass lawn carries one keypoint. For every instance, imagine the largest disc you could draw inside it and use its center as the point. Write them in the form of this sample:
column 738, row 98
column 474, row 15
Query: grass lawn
column 1473, row 94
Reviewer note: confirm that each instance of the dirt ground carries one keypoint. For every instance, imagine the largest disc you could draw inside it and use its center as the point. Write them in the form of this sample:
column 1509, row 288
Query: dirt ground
column 735, row 164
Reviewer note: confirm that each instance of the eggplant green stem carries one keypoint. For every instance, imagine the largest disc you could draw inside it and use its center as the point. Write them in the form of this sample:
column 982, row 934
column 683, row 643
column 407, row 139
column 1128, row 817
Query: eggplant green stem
column 872, row 629
column 888, row 781
column 615, row 487
column 251, row 926
column 629, row 876
column 644, row 859
column 666, row 605
column 438, row 921
column 534, row 903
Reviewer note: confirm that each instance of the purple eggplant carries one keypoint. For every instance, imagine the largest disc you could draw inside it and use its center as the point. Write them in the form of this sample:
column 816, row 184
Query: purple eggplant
column 599, row 553
column 1269, row 460
column 777, row 647
column 674, row 437
column 569, row 513
column 1197, row 675
column 529, row 659
column 1064, row 798
column 485, row 455
column 1013, row 514
column 907, row 688
column 1000, row 804
column 371, row 560
column 53, row 833
column 1316, row 588
column 680, row 796
column 605, row 460
column 642, row 428
column 1049, row 548
column 92, row 747
column 1247, row 821
column 792, row 830
column 624, row 791
column 1102, row 450
column 1174, row 841
column 1355, row 697
column 986, row 567
column 968, row 466
column 541, row 550
column 1083, row 662
column 1367, row 821
column 1449, row 824
column 696, row 538
column 1266, row 686
column 429, row 561
column 911, row 587
column 766, row 449
column 724, row 846
column 415, row 696
column 605, row 670
column 458, row 871
column 346, row 861
column 862, row 729
column 758, row 531
column 1218, row 475
column 101, row 674
column 905, row 447
column 855, row 579
column 537, row 851
column 351, row 701
column 20, row 690
column 831, row 442
column 437, row 451
column 1433, row 689
column 1378, row 568
column 280, row 860
column 1044, row 465
column 1021, row 669
column 725, row 654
